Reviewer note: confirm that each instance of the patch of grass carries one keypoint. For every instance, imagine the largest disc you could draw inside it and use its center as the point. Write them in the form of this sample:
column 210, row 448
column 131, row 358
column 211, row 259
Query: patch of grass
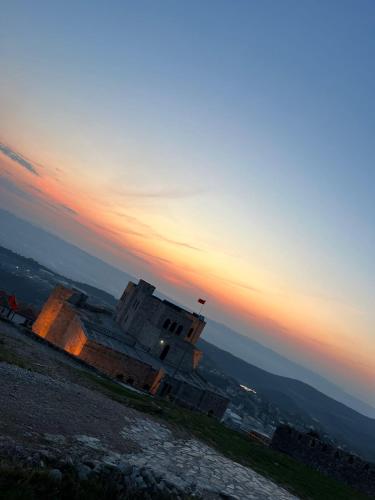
column 10, row 357
column 296, row 477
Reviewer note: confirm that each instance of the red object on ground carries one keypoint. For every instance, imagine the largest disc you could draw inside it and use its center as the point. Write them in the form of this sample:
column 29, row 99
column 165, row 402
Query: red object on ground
column 12, row 302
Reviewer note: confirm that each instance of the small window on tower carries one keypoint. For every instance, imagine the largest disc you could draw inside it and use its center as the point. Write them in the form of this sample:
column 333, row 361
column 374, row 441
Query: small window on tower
column 179, row 330
column 166, row 324
column 173, row 326
column 190, row 332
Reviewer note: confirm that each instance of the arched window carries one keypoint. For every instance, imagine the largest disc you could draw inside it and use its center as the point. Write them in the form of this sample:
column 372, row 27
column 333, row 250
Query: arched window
column 190, row 333
column 179, row 330
column 120, row 377
column 166, row 389
column 173, row 326
column 166, row 324
column 164, row 352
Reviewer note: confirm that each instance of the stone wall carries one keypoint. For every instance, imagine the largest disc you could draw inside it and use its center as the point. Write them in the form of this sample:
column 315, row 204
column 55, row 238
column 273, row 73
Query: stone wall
column 135, row 306
column 179, row 354
column 121, row 367
column 138, row 310
column 59, row 323
column 193, row 397
column 330, row 460
column 74, row 337
column 213, row 404
column 51, row 318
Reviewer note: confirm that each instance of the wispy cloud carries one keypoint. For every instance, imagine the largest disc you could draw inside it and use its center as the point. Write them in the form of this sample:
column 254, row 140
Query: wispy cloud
column 11, row 187
column 240, row 284
column 177, row 243
column 166, row 192
column 150, row 233
column 37, row 198
column 23, row 162
column 66, row 208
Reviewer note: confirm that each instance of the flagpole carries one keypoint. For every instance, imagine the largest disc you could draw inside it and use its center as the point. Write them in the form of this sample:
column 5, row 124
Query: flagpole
column 202, row 303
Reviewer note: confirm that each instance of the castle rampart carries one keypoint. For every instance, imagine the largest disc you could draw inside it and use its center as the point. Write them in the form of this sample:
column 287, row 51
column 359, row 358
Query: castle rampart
column 330, row 460
column 148, row 343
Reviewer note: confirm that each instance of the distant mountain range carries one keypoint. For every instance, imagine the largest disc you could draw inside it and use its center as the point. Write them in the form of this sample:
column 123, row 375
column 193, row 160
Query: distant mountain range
column 60, row 256
column 257, row 354
column 70, row 261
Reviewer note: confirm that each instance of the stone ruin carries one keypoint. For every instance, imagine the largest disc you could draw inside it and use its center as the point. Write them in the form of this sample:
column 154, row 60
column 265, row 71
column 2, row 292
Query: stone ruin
column 326, row 458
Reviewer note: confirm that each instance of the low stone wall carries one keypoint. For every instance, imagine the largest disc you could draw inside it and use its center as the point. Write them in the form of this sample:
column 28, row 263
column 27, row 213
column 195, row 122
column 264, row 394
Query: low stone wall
column 332, row 461
column 213, row 404
column 194, row 398
column 121, row 367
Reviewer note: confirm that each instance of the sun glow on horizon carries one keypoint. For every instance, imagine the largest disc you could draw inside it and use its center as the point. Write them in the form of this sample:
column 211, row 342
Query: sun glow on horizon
column 293, row 322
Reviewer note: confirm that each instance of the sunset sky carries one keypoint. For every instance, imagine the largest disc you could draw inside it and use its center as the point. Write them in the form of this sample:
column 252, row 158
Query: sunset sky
column 219, row 149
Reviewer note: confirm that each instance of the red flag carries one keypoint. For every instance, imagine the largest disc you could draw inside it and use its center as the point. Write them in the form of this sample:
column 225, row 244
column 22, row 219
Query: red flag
column 12, row 302
column 202, row 301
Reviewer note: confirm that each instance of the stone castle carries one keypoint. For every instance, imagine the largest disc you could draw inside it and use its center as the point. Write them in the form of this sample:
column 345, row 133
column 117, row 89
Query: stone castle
column 330, row 460
column 146, row 342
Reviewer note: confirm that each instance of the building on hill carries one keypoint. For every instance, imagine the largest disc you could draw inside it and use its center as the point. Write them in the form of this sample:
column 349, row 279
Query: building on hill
column 164, row 329
column 147, row 342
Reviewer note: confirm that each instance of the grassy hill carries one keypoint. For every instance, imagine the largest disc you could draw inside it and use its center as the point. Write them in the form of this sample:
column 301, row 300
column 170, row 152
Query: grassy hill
column 340, row 421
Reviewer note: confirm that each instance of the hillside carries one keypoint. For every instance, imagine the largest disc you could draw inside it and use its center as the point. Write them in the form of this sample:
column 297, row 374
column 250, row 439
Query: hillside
column 59, row 255
column 340, row 421
column 263, row 357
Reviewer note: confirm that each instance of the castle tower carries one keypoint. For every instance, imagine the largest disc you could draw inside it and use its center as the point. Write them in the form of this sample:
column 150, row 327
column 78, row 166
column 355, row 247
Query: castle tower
column 166, row 330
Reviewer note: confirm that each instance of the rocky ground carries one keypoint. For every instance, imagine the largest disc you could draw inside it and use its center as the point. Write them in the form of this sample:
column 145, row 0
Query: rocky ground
column 51, row 418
